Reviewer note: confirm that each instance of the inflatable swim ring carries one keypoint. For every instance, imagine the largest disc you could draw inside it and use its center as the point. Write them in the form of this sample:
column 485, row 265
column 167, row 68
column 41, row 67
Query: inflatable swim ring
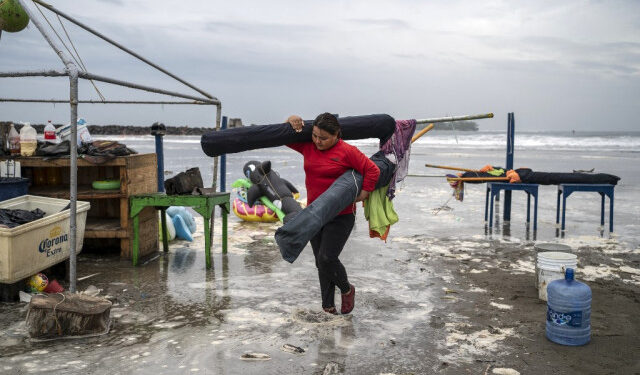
column 182, row 230
column 170, row 228
column 257, row 213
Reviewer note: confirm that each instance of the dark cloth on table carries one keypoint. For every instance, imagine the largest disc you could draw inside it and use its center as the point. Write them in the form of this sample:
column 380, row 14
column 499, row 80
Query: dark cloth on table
column 98, row 152
column 252, row 137
column 184, row 182
column 12, row 218
column 53, row 149
column 546, row 178
column 527, row 176
column 327, row 246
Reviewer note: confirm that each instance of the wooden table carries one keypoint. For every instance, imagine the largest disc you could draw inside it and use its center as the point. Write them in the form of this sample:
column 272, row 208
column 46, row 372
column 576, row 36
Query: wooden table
column 108, row 219
column 202, row 204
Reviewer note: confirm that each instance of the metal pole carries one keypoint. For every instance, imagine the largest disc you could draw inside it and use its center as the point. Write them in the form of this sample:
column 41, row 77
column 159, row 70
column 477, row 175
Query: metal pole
column 158, row 130
column 223, row 162
column 73, row 188
column 45, row 33
column 96, row 77
column 510, row 148
column 422, row 132
column 35, row 73
column 15, row 100
column 73, row 100
column 454, row 118
column 103, row 37
column 215, row 172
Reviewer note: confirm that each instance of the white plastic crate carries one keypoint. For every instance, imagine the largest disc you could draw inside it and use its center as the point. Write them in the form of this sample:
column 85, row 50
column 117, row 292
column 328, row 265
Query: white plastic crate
column 29, row 248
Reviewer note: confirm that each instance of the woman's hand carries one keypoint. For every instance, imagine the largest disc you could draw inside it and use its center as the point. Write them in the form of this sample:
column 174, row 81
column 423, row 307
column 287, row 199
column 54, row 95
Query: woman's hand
column 296, row 123
column 362, row 196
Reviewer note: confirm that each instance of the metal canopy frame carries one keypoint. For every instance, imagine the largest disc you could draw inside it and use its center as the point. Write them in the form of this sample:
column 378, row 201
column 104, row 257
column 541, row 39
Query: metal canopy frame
column 74, row 73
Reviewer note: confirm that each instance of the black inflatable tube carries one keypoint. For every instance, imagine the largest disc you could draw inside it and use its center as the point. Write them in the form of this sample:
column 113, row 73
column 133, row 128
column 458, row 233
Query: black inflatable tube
column 252, row 137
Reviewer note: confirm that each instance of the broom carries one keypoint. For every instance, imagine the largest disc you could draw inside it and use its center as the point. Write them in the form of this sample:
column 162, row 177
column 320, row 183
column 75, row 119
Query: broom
column 67, row 315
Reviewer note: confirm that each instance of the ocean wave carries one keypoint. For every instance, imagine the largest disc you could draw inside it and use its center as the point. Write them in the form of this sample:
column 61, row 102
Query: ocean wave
column 484, row 141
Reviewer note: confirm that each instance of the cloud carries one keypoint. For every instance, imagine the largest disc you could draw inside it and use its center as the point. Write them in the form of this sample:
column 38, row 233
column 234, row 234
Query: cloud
column 116, row 2
column 388, row 23
column 426, row 59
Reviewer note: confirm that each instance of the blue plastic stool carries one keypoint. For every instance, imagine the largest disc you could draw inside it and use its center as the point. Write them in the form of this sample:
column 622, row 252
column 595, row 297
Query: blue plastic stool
column 604, row 189
column 493, row 189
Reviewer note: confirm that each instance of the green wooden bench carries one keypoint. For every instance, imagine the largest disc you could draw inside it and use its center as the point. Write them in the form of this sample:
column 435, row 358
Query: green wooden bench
column 202, row 204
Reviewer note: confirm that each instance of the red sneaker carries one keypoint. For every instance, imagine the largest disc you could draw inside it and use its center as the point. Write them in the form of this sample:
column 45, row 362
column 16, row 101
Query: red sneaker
column 330, row 310
column 348, row 300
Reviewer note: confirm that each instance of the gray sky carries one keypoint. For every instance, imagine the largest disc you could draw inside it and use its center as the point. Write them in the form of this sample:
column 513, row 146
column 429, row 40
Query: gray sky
column 559, row 65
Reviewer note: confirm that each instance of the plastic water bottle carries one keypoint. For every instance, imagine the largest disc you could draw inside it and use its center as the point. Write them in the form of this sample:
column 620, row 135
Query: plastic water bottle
column 568, row 311
column 14, row 141
column 28, row 140
column 49, row 132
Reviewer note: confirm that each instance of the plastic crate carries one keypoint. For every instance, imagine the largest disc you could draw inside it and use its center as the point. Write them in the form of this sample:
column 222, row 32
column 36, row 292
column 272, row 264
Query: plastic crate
column 11, row 187
column 30, row 248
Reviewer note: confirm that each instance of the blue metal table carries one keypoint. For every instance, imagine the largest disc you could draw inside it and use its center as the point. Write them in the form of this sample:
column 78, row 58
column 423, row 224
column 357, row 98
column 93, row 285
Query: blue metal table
column 565, row 190
column 494, row 188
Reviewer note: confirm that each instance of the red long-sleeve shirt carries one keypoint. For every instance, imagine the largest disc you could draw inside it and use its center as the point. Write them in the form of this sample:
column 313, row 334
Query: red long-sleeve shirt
column 322, row 168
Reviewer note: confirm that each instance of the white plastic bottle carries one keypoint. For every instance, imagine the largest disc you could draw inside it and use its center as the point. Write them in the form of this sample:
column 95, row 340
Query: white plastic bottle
column 83, row 132
column 28, row 140
column 14, row 141
column 50, row 132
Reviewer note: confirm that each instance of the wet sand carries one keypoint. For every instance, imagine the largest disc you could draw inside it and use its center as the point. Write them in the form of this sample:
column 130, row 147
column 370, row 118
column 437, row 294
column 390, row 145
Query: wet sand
column 424, row 305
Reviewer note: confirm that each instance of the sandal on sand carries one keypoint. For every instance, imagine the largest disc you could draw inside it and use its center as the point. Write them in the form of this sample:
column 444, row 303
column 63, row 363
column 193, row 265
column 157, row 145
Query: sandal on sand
column 330, row 310
column 348, row 300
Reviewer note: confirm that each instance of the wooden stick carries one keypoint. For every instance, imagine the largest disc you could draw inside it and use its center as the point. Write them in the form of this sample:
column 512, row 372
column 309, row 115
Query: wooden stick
column 426, row 175
column 422, row 132
column 454, row 118
column 478, row 178
column 452, row 168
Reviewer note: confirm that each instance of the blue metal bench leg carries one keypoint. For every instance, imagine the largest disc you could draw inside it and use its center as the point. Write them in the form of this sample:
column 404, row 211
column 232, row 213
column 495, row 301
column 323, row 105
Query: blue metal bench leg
column 486, row 204
column 558, row 208
column 528, row 208
column 611, row 211
column 535, row 213
column 491, row 210
column 564, row 210
column 602, row 210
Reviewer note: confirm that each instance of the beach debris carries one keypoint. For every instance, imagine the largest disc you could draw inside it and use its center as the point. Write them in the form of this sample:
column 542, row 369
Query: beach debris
column 67, row 315
column 255, row 357
column 444, row 207
column 331, row 368
column 92, row 290
column 88, row 276
column 292, row 349
column 501, row 306
column 24, row 297
column 505, row 371
column 464, row 341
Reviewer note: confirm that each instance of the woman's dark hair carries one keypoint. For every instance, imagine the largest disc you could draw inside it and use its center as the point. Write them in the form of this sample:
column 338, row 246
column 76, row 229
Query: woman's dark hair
column 328, row 123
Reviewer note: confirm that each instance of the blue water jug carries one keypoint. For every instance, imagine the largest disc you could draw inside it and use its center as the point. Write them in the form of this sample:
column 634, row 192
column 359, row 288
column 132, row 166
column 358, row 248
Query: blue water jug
column 568, row 311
